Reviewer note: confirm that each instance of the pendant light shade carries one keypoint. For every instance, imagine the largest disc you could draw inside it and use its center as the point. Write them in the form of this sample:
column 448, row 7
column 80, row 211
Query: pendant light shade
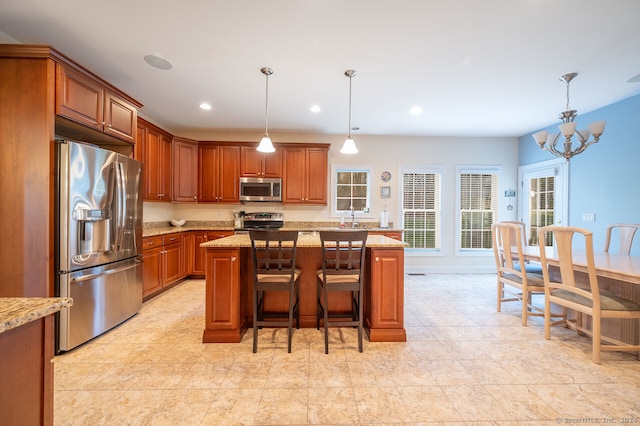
column 265, row 143
column 349, row 146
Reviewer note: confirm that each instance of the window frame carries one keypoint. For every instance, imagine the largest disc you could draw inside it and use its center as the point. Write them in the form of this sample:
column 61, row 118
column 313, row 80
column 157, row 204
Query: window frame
column 460, row 170
column 335, row 168
column 425, row 169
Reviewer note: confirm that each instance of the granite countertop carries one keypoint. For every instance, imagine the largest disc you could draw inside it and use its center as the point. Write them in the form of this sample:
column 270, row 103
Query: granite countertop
column 17, row 311
column 305, row 239
column 163, row 228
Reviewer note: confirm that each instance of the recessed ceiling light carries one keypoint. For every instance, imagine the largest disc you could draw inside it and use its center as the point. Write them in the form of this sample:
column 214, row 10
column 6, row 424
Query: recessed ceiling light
column 416, row 110
column 205, row 106
column 158, row 62
column 315, row 108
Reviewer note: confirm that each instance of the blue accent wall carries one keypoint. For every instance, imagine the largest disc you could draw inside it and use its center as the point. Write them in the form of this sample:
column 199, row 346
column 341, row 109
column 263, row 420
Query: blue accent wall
column 604, row 179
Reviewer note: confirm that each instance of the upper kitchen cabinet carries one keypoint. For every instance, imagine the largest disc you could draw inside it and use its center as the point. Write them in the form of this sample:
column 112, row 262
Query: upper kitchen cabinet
column 157, row 149
column 304, row 178
column 185, row 170
column 260, row 164
column 85, row 100
column 219, row 173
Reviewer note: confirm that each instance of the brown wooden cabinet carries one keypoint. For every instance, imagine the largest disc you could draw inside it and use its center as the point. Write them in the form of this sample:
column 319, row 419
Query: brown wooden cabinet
column 188, row 253
column 305, row 174
column 81, row 98
column 185, row 170
column 199, row 252
column 259, row 164
column 218, row 173
column 162, row 262
column 172, row 261
column 151, row 265
column 157, row 162
column 385, row 307
column 223, row 320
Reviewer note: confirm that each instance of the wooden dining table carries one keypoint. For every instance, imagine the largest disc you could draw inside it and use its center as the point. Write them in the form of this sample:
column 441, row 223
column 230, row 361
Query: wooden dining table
column 615, row 266
column 617, row 273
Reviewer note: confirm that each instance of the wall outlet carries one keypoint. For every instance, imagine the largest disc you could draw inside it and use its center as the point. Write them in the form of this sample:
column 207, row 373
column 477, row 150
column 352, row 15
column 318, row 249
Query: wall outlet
column 588, row 217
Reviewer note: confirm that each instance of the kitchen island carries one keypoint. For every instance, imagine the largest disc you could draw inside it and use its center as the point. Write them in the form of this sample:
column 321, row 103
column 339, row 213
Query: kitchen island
column 229, row 278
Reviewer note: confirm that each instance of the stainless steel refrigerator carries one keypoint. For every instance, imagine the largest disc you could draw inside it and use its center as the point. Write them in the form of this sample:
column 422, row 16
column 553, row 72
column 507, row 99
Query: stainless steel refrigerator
column 98, row 239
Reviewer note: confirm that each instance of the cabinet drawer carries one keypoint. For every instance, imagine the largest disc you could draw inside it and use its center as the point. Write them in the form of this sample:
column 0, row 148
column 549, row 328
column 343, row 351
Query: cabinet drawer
column 151, row 242
column 172, row 239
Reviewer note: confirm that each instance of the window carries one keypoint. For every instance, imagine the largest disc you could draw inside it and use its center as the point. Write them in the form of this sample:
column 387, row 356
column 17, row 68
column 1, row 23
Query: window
column 421, row 208
column 541, row 207
column 478, row 207
column 352, row 189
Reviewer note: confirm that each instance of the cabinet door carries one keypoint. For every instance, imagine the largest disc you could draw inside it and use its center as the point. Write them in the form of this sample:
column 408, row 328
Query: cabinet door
column 199, row 237
column 151, row 271
column 172, row 263
column 207, row 172
column 120, row 117
column 223, row 289
column 164, row 170
column 386, row 306
column 185, row 170
column 272, row 164
column 250, row 162
column 152, row 163
column 258, row 164
column 188, row 252
column 79, row 98
column 228, row 174
column 316, row 179
column 138, row 150
column 294, row 159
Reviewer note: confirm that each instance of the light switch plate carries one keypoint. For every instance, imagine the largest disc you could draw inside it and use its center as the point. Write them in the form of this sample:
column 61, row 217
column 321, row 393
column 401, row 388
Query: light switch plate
column 588, row 217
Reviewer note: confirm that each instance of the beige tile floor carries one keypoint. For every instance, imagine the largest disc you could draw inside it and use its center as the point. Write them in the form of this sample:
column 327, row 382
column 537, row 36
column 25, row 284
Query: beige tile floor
column 463, row 363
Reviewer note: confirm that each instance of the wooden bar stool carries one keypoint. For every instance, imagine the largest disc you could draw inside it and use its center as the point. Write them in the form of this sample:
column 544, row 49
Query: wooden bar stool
column 343, row 257
column 274, row 269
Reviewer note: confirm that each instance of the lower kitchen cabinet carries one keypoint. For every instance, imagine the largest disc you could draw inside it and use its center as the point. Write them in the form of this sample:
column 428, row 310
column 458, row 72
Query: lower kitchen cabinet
column 162, row 262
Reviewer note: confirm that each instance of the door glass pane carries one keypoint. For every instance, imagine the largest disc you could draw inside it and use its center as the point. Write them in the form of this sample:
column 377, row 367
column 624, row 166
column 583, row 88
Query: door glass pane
column 541, row 206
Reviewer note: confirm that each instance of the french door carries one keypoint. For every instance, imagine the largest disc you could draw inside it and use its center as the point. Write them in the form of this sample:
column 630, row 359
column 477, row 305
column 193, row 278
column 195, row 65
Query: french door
column 544, row 196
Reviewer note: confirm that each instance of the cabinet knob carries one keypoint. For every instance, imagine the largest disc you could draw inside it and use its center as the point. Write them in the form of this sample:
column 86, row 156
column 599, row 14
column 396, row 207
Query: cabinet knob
column 109, row 126
column 233, row 258
column 195, row 198
column 377, row 259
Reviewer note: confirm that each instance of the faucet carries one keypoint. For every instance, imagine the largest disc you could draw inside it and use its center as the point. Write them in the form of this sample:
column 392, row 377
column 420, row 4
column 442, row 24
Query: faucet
column 354, row 222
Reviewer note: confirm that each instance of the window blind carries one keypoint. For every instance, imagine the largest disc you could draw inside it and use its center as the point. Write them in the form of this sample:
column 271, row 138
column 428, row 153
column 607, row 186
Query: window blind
column 421, row 209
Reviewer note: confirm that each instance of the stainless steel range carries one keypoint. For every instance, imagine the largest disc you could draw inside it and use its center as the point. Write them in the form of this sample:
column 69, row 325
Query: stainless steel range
column 261, row 220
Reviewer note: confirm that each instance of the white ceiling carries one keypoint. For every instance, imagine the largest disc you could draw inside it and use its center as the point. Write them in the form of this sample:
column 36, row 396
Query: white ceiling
column 477, row 68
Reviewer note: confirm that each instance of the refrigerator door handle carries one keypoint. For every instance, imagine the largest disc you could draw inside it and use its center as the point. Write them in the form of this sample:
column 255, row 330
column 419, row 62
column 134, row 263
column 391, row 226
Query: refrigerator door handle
column 120, row 204
column 107, row 272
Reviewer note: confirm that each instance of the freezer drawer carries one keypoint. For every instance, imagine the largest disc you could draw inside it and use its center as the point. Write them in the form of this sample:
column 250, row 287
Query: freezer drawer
column 103, row 297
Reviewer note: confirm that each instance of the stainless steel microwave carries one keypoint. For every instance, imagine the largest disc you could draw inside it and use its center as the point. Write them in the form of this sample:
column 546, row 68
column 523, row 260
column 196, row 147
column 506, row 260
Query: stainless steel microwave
column 260, row 189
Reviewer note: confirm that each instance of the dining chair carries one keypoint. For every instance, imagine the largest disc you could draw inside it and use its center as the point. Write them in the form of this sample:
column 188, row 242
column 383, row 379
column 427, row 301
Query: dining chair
column 626, row 231
column 532, row 267
column 343, row 265
column 563, row 291
column 274, row 269
column 514, row 284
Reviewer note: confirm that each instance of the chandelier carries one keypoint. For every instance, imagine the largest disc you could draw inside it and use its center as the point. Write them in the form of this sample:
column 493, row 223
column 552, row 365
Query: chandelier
column 568, row 129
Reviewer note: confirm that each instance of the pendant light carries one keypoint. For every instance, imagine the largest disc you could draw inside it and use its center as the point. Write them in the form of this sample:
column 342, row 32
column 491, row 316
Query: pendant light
column 265, row 143
column 349, row 146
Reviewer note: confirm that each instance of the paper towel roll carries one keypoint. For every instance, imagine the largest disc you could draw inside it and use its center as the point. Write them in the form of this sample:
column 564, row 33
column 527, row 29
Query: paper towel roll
column 384, row 219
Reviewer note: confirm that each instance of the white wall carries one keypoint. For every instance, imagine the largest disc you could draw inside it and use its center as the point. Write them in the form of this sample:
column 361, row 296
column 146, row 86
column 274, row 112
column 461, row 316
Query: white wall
column 384, row 153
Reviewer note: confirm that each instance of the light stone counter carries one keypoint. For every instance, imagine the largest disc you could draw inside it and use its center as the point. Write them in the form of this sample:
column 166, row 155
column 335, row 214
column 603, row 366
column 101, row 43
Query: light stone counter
column 305, row 239
column 163, row 228
column 17, row 311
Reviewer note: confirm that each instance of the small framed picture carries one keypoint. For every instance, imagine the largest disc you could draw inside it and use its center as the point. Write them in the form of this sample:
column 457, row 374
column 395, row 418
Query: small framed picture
column 385, row 192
